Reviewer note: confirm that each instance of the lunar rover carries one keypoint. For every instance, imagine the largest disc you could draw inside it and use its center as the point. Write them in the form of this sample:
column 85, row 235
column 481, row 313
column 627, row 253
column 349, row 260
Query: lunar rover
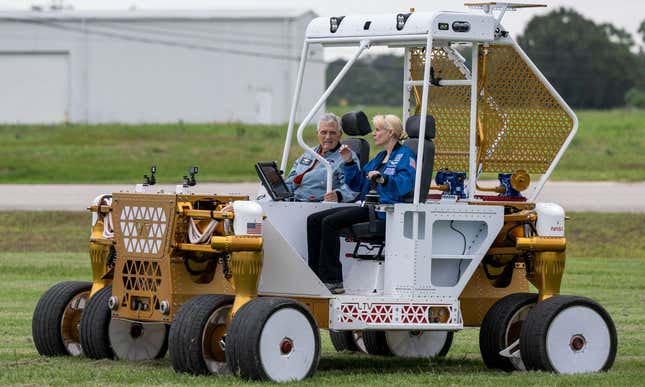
column 222, row 282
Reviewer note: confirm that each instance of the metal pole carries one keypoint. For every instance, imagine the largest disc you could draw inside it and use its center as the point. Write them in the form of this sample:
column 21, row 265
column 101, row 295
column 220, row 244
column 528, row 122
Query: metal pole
column 363, row 46
column 472, row 178
column 406, row 86
column 294, row 106
column 422, row 123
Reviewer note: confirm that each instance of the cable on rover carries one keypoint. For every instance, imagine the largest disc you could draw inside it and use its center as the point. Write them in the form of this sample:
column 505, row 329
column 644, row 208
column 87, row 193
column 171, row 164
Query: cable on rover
column 196, row 236
column 464, row 249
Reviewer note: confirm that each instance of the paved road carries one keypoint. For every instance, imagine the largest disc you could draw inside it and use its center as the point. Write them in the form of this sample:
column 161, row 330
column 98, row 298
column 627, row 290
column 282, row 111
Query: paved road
column 573, row 196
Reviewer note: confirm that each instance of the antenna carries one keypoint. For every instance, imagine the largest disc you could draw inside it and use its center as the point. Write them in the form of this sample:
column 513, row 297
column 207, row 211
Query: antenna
column 489, row 7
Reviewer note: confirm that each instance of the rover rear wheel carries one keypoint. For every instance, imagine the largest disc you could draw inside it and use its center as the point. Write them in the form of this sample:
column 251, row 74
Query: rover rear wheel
column 196, row 335
column 501, row 328
column 358, row 340
column 57, row 316
column 273, row 339
column 95, row 324
column 568, row 335
column 343, row 340
column 133, row 340
column 419, row 344
column 376, row 343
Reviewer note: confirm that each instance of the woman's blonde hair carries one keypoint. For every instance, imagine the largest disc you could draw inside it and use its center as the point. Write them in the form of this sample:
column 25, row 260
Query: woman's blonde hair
column 390, row 122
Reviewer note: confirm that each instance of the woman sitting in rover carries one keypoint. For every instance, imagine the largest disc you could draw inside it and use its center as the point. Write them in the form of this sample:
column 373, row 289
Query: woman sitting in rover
column 393, row 170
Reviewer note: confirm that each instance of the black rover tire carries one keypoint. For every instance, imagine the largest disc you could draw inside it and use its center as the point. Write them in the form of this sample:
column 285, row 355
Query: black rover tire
column 262, row 336
column 343, row 341
column 568, row 334
column 95, row 324
column 192, row 345
column 495, row 333
column 376, row 343
column 54, row 326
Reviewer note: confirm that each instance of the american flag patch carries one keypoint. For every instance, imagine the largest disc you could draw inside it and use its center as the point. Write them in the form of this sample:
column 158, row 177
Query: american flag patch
column 413, row 163
column 254, row 228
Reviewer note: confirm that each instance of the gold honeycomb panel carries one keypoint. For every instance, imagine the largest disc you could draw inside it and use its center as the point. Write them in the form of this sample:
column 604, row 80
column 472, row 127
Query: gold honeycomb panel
column 142, row 229
column 523, row 125
column 450, row 107
column 143, row 276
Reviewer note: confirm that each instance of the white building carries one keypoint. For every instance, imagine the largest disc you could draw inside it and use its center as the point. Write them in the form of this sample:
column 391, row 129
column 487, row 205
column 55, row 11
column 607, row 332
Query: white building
column 153, row 66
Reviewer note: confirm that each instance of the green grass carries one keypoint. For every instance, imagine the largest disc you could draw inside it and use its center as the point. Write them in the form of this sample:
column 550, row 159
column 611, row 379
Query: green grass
column 609, row 146
column 123, row 153
column 40, row 249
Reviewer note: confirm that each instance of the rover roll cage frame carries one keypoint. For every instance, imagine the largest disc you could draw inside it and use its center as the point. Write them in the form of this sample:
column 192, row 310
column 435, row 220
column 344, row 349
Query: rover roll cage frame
column 422, row 30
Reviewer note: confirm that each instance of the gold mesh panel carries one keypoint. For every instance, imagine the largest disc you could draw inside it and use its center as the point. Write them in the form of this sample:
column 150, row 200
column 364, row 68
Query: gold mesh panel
column 143, row 276
column 523, row 125
column 450, row 107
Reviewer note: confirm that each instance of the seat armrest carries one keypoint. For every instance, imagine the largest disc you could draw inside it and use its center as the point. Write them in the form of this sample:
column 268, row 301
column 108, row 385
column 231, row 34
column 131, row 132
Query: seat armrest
column 385, row 208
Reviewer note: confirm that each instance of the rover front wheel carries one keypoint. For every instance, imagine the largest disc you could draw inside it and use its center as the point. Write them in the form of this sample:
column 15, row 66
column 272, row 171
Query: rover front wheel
column 57, row 316
column 568, row 335
column 273, row 339
column 419, row 344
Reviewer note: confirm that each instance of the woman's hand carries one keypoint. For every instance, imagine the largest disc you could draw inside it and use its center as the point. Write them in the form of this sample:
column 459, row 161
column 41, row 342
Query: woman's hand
column 346, row 153
column 375, row 175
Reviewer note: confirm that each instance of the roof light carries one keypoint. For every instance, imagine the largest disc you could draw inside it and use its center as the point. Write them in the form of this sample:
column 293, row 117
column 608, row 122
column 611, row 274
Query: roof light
column 334, row 23
column 401, row 19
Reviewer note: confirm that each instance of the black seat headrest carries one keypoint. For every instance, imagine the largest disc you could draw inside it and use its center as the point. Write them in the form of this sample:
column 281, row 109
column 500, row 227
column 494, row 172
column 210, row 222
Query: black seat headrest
column 356, row 123
column 413, row 127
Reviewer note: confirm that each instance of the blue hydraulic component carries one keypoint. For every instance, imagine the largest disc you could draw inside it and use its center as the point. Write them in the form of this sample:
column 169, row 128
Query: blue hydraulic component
column 505, row 181
column 454, row 181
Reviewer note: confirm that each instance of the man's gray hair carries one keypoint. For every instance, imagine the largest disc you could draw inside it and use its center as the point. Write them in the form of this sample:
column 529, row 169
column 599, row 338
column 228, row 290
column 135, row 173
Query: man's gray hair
column 330, row 117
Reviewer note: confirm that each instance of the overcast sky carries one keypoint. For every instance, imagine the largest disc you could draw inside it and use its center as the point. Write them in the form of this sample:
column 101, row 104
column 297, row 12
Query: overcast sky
column 626, row 14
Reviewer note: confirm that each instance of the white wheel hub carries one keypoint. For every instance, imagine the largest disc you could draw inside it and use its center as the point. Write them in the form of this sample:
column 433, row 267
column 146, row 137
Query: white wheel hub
column 132, row 340
column 358, row 340
column 513, row 334
column 287, row 345
column 578, row 340
column 422, row 344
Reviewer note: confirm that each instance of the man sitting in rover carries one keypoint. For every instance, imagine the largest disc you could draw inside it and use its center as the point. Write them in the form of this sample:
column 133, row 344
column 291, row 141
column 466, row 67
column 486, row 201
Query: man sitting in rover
column 307, row 178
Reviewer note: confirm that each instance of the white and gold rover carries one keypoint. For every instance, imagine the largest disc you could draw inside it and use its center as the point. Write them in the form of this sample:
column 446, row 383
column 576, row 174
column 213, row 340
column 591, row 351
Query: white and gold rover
column 223, row 282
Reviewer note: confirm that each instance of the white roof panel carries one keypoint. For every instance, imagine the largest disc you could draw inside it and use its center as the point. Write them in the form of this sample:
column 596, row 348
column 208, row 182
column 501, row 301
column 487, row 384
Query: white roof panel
column 443, row 26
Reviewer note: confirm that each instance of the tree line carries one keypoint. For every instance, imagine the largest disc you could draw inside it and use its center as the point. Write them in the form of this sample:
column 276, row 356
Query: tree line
column 593, row 66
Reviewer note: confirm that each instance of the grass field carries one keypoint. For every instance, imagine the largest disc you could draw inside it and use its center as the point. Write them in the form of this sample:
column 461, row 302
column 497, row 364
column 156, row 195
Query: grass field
column 609, row 146
column 38, row 250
